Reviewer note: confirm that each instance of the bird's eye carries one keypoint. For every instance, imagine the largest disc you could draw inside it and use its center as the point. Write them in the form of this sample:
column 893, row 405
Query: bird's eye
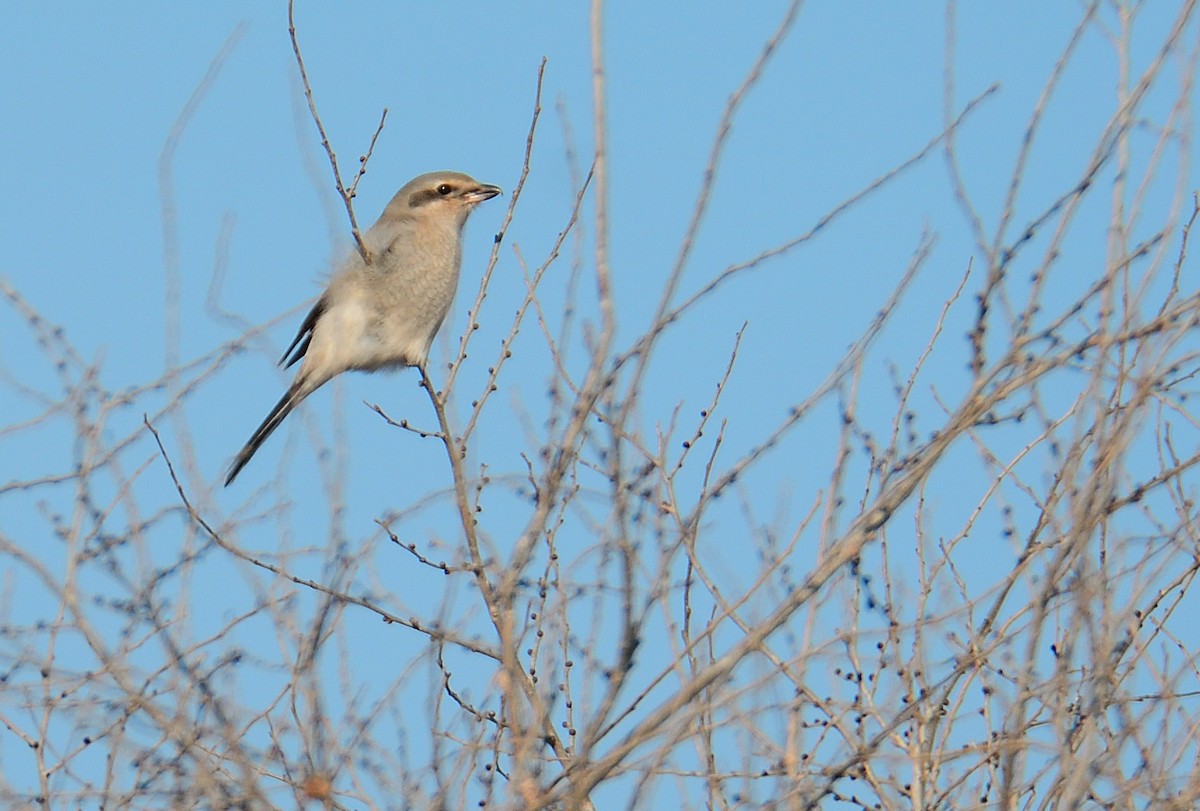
column 444, row 189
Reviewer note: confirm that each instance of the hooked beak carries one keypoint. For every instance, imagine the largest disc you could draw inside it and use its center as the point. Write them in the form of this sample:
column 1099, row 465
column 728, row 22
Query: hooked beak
column 485, row 191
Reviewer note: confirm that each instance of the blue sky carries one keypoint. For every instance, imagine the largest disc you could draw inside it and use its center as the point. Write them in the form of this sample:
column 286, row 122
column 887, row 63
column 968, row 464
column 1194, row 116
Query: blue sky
column 90, row 93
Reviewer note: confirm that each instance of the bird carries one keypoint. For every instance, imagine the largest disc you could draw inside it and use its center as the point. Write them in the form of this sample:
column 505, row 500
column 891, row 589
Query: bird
column 383, row 311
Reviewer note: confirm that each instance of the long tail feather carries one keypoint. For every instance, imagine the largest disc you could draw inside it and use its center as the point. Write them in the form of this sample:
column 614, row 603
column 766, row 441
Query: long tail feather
column 295, row 393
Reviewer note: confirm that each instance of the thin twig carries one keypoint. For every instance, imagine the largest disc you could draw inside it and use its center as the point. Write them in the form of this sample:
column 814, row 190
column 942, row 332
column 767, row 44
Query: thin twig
column 346, row 195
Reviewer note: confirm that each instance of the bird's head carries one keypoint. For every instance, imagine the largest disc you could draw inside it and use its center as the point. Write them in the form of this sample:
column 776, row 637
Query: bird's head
column 447, row 196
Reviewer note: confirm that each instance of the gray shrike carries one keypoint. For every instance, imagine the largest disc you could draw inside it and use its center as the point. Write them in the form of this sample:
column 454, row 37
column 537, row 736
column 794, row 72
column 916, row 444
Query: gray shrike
column 383, row 314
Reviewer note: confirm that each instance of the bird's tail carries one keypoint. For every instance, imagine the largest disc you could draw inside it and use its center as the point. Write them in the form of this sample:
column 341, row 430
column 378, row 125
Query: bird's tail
column 299, row 389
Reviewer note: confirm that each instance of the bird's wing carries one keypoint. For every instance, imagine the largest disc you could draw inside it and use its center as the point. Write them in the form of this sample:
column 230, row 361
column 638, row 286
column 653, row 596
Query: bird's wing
column 304, row 336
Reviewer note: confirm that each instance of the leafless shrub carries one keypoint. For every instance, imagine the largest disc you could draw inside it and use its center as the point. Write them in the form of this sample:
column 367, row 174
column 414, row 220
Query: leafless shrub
column 984, row 600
